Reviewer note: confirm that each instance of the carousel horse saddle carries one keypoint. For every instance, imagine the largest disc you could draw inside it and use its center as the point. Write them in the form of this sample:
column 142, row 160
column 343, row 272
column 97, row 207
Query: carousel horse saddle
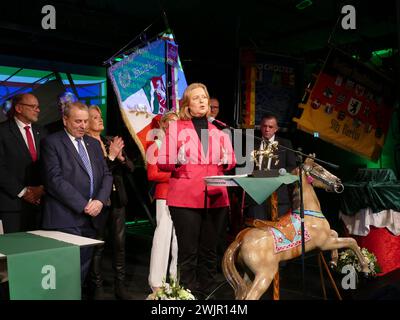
column 284, row 225
column 286, row 231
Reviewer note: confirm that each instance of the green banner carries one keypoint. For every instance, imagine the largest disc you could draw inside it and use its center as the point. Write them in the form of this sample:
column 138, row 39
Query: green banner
column 261, row 188
column 41, row 268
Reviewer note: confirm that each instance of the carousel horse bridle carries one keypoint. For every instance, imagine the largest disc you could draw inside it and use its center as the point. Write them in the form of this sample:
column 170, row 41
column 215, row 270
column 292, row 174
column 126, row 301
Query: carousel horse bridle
column 315, row 171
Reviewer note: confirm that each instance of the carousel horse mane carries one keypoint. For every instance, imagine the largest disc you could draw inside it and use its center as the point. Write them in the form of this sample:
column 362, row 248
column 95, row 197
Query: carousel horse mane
column 255, row 250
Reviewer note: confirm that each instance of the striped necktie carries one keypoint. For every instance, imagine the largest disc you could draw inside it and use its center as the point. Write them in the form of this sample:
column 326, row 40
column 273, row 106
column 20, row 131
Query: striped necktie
column 86, row 162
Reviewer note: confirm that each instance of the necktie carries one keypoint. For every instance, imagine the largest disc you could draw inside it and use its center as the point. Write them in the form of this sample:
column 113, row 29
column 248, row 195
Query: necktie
column 86, row 162
column 31, row 145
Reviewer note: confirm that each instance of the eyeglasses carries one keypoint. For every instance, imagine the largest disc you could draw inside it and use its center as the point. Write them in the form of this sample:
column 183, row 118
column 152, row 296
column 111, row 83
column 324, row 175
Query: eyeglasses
column 214, row 107
column 32, row 106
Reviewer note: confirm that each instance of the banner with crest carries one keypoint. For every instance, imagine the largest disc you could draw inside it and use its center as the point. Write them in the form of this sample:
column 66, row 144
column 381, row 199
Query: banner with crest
column 144, row 82
column 350, row 106
column 269, row 83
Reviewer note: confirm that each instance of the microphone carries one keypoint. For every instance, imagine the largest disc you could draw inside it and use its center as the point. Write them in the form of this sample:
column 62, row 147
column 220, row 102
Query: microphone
column 219, row 124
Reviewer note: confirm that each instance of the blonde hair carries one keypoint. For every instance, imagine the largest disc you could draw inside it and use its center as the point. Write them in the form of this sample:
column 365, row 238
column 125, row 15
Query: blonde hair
column 166, row 118
column 95, row 107
column 184, row 112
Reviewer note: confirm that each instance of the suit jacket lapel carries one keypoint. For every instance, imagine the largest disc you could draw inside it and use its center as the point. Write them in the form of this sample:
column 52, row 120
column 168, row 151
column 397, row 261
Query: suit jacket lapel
column 72, row 150
column 21, row 142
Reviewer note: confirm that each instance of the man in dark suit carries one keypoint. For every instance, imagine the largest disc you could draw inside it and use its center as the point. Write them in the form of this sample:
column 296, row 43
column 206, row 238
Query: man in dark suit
column 286, row 159
column 76, row 178
column 20, row 184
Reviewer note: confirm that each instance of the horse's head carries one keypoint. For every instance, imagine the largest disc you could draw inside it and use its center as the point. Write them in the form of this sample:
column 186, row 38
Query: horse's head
column 320, row 177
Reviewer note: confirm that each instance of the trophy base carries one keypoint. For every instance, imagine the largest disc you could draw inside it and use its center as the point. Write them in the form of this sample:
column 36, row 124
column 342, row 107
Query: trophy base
column 272, row 173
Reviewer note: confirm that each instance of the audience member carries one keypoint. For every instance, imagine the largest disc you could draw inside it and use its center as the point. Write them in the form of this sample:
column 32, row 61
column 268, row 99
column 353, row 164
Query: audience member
column 76, row 178
column 114, row 218
column 164, row 239
column 21, row 187
column 214, row 107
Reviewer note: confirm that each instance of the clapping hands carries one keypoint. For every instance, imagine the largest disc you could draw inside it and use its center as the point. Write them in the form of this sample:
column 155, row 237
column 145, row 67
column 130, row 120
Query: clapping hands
column 116, row 147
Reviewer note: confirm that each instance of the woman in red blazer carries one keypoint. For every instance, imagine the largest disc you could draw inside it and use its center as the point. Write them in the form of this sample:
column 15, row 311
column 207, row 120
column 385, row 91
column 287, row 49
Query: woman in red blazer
column 193, row 149
column 164, row 239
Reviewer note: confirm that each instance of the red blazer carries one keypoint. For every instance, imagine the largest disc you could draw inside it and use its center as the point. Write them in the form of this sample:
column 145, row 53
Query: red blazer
column 154, row 174
column 186, row 184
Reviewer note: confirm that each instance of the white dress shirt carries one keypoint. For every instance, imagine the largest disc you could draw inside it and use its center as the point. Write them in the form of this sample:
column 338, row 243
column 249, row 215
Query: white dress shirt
column 75, row 143
column 21, row 126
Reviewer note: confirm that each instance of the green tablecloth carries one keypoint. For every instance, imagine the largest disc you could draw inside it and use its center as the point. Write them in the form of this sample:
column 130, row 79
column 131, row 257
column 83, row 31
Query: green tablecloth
column 376, row 189
column 41, row 268
column 261, row 188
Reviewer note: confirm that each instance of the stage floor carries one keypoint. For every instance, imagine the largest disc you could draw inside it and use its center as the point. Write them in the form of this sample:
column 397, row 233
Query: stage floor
column 138, row 244
column 138, row 257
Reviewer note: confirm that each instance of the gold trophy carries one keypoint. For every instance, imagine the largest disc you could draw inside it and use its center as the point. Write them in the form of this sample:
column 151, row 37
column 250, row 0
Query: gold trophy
column 258, row 157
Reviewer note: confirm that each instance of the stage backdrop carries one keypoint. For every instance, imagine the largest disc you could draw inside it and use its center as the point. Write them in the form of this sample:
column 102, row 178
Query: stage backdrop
column 350, row 106
column 269, row 83
column 140, row 84
column 90, row 85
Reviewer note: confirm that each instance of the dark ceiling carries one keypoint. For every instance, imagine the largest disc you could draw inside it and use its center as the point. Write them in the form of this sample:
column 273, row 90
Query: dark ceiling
column 90, row 31
column 209, row 33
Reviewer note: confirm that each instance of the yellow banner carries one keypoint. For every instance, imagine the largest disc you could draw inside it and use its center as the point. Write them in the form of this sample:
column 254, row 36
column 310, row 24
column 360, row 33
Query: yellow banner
column 347, row 133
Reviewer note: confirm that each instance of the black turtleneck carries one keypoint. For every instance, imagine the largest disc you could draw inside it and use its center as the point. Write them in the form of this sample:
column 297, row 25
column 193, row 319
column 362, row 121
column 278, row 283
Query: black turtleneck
column 199, row 124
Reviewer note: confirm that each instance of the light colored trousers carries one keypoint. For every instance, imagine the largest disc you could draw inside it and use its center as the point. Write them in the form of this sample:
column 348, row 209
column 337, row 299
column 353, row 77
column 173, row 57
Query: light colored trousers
column 164, row 240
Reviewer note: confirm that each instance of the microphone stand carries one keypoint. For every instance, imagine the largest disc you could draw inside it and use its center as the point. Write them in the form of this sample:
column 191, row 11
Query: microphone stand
column 299, row 159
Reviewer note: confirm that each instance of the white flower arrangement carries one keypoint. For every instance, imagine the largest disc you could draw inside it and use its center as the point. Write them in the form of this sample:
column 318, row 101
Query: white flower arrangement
column 348, row 257
column 171, row 291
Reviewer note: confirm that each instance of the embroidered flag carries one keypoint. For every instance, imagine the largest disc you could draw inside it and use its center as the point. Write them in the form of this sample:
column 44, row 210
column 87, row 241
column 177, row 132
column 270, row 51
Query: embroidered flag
column 349, row 106
column 139, row 82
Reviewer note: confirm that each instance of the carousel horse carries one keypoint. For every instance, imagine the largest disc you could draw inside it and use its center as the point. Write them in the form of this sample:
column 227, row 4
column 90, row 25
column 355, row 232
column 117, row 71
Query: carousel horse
column 254, row 248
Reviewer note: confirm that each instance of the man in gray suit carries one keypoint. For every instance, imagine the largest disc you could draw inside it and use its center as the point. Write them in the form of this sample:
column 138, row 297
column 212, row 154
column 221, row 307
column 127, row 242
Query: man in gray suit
column 20, row 184
column 76, row 178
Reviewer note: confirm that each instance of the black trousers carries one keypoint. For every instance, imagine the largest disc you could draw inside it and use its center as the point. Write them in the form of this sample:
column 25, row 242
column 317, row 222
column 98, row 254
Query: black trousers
column 197, row 232
column 115, row 226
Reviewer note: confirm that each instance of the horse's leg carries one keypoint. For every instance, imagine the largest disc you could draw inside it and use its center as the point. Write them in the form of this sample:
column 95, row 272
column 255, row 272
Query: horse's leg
column 245, row 284
column 334, row 252
column 230, row 271
column 247, row 279
column 339, row 243
column 262, row 281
